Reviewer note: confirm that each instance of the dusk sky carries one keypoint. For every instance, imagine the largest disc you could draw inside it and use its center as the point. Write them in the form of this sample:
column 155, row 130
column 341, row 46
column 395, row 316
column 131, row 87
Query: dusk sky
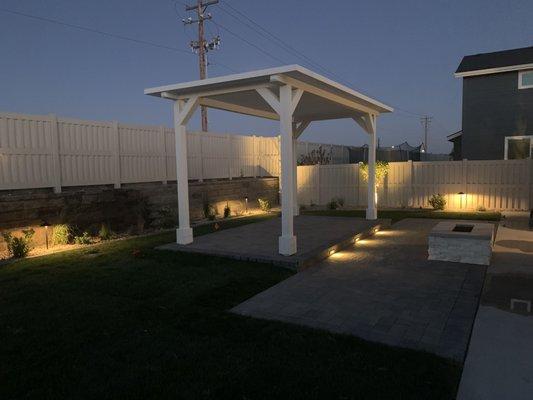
column 403, row 53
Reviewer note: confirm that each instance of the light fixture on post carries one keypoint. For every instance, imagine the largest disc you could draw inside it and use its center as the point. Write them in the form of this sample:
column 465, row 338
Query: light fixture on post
column 461, row 196
column 45, row 224
column 246, row 204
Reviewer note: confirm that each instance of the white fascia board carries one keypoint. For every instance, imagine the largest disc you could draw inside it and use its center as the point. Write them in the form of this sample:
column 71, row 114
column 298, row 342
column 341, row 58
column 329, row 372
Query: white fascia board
column 488, row 71
column 222, row 79
column 266, row 73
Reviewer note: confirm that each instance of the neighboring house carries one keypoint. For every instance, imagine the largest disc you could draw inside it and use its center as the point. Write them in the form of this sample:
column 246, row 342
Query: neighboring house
column 497, row 106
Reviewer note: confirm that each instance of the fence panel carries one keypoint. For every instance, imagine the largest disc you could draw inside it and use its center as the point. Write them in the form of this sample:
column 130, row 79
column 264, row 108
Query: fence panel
column 86, row 152
column 466, row 185
column 26, row 152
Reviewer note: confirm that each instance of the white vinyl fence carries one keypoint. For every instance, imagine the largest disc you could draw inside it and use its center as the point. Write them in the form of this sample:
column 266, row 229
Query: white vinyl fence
column 47, row 151
column 495, row 185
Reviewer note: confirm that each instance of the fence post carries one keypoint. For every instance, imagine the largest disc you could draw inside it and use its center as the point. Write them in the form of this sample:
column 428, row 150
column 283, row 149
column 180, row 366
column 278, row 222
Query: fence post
column 411, row 188
column 529, row 183
column 201, row 156
column 56, row 159
column 254, row 157
column 164, row 154
column 319, row 200
column 228, row 155
column 116, row 153
column 465, row 183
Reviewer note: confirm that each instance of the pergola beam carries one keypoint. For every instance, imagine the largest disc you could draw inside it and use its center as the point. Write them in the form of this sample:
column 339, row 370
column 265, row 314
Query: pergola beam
column 282, row 79
column 222, row 105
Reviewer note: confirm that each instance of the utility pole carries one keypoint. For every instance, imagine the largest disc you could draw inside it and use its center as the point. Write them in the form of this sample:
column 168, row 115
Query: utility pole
column 201, row 46
column 426, row 121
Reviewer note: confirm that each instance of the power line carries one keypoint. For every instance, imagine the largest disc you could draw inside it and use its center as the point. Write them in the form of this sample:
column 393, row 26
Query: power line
column 100, row 32
column 290, row 49
column 249, row 43
column 84, row 28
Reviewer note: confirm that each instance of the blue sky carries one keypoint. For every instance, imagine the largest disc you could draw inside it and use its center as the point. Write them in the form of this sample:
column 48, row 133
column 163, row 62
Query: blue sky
column 402, row 53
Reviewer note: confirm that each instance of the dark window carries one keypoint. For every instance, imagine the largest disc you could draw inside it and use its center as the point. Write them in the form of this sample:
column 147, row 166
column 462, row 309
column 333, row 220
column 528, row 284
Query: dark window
column 518, row 149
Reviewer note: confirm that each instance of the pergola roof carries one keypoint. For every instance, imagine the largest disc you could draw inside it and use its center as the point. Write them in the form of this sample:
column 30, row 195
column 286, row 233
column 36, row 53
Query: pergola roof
column 321, row 98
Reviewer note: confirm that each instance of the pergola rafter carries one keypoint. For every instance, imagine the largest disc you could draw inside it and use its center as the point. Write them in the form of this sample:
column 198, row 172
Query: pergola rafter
column 293, row 95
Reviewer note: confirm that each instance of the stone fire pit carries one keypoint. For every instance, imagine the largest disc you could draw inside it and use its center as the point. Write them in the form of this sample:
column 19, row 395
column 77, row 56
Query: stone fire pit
column 461, row 241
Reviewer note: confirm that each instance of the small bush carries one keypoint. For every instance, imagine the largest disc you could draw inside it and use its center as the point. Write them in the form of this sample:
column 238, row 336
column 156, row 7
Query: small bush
column 61, row 234
column 264, row 205
column 333, row 205
column 104, row 233
column 85, row 238
column 227, row 211
column 209, row 212
column 340, row 200
column 437, row 201
column 165, row 218
column 19, row 247
column 481, row 208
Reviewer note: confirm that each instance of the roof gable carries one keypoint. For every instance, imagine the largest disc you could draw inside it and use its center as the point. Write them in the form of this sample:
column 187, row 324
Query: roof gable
column 499, row 61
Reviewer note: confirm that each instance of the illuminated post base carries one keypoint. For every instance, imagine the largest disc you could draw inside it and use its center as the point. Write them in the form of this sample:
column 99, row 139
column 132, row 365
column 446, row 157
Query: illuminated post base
column 287, row 245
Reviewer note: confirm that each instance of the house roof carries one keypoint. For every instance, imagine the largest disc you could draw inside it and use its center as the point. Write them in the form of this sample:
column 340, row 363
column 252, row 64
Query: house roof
column 495, row 62
column 454, row 135
column 322, row 98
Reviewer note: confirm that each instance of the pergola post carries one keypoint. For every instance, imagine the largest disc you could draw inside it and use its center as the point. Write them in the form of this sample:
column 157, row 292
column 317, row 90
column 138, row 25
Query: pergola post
column 295, row 175
column 287, row 240
column 183, row 111
column 371, row 210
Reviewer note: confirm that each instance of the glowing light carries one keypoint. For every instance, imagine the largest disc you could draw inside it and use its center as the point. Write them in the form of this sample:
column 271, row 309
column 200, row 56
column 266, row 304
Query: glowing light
column 356, row 239
column 332, row 251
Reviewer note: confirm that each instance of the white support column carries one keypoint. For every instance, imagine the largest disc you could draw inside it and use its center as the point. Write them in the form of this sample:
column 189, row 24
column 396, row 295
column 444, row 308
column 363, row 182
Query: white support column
column 371, row 210
column 182, row 113
column 287, row 240
column 295, row 176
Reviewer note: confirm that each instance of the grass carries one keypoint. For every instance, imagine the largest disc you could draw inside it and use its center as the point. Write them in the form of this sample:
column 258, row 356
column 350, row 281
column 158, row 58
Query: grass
column 122, row 320
column 397, row 215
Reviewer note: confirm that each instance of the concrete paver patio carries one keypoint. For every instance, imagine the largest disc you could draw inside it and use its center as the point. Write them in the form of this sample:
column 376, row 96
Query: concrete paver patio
column 316, row 236
column 385, row 290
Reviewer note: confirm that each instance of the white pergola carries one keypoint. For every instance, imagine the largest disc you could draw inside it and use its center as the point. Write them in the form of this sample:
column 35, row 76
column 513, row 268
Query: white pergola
column 291, row 94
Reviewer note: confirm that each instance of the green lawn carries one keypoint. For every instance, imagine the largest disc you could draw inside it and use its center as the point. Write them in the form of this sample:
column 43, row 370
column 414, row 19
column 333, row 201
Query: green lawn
column 396, row 215
column 101, row 323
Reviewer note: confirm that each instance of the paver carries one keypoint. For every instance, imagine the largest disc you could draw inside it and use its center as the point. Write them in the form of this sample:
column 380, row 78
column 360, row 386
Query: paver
column 383, row 290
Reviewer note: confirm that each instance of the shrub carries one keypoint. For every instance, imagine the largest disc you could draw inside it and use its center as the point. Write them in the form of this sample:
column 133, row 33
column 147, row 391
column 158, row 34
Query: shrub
column 61, row 234
column 382, row 170
column 437, row 201
column 481, row 208
column 209, row 211
column 315, row 157
column 85, row 238
column 227, row 211
column 19, row 247
column 332, row 205
column 104, row 233
column 340, row 200
column 264, row 205
column 165, row 218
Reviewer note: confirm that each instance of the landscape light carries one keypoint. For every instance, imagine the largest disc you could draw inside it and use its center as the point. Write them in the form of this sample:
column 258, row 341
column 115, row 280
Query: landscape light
column 46, row 225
